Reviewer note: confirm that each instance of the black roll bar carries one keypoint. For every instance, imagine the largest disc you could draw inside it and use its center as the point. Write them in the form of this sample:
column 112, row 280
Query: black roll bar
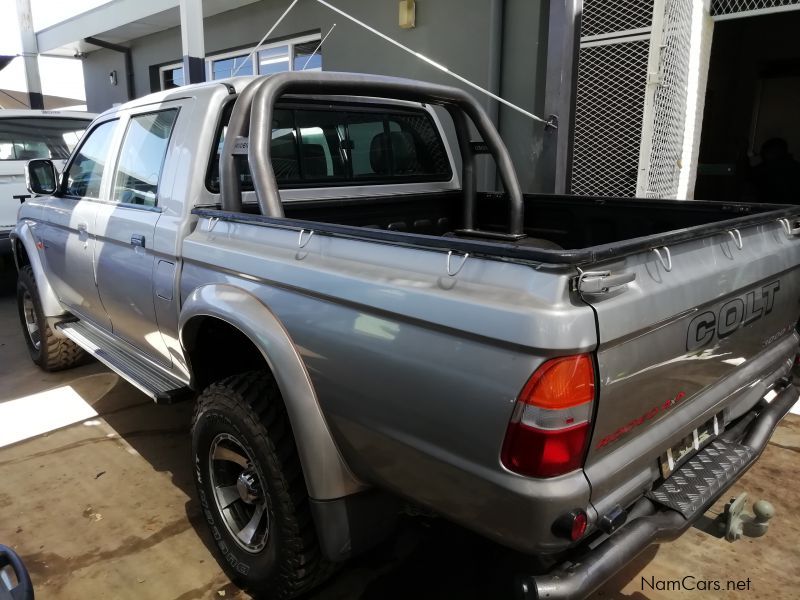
column 253, row 112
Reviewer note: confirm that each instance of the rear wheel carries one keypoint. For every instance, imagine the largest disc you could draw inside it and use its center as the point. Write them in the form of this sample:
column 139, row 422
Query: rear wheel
column 50, row 352
column 251, row 488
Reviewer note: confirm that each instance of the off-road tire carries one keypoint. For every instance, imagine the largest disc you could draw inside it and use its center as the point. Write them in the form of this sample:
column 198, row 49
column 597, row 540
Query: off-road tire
column 249, row 408
column 54, row 353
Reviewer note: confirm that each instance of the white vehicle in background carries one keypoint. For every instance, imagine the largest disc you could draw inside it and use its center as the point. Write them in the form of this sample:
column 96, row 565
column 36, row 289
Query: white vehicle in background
column 28, row 134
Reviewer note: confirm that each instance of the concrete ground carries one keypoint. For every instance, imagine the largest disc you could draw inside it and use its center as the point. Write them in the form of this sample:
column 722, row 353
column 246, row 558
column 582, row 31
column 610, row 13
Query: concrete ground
column 102, row 506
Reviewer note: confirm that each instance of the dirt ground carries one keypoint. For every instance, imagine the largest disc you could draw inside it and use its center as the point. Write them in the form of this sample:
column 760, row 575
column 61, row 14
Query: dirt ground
column 104, row 508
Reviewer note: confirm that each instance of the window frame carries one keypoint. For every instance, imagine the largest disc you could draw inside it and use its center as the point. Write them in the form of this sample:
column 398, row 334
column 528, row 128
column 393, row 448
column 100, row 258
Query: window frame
column 291, row 42
column 242, row 53
column 123, row 137
column 163, row 69
column 61, row 190
column 387, row 110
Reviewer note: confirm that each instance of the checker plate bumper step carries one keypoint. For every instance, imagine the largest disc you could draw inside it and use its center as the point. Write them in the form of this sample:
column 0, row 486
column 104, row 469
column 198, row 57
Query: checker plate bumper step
column 702, row 476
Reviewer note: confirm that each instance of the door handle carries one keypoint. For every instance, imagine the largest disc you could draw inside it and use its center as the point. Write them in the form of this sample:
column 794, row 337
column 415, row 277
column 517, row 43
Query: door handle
column 137, row 240
column 601, row 282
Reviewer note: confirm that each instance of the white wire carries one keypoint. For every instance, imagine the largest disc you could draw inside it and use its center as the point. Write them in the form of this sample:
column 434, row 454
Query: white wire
column 394, row 42
column 266, row 35
column 431, row 62
column 322, row 41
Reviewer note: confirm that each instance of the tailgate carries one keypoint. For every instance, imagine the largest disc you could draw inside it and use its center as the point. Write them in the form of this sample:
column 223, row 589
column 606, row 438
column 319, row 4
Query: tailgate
column 706, row 325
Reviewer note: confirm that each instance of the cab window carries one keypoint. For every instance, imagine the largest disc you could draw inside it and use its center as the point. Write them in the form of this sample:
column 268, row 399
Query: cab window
column 339, row 146
column 85, row 173
column 142, row 158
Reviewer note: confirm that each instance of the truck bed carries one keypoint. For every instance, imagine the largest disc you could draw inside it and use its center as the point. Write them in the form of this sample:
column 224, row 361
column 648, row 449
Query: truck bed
column 379, row 267
column 569, row 230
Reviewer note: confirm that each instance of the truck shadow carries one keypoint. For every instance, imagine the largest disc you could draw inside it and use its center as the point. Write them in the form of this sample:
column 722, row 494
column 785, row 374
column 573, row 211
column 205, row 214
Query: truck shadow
column 423, row 558
column 8, row 276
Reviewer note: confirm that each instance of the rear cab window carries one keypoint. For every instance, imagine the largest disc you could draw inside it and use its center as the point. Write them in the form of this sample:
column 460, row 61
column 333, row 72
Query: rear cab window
column 322, row 146
column 26, row 138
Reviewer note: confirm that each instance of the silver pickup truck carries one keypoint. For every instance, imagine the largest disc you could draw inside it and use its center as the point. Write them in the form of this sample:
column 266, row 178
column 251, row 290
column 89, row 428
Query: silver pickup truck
column 574, row 378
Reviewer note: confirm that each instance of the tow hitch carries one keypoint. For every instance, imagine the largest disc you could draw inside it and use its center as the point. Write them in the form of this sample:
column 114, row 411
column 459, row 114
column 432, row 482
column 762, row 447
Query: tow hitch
column 653, row 520
column 735, row 521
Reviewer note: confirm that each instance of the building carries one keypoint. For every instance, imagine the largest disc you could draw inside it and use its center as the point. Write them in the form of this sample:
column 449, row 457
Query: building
column 669, row 98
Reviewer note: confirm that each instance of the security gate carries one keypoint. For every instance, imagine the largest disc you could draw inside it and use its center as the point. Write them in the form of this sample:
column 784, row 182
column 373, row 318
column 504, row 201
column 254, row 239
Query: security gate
column 663, row 125
column 633, row 92
column 610, row 93
column 630, row 108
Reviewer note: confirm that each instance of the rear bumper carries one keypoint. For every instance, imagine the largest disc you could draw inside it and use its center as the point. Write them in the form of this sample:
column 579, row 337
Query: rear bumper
column 648, row 523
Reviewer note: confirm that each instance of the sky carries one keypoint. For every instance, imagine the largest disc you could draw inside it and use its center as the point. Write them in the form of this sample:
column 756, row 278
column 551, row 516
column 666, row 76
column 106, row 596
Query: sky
column 60, row 76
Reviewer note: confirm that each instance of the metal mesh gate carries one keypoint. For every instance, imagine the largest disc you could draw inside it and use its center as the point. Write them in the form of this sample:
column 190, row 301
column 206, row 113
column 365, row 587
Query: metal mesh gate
column 665, row 109
column 608, row 118
column 632, row 93
column 609, row 103
column 735, row 7
column 615, row 17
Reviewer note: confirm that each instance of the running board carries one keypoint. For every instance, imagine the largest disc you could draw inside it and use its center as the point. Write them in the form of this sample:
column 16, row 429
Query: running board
column 119, row 357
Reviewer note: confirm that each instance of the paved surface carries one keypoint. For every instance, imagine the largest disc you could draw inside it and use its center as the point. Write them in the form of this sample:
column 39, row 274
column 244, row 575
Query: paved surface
column 104, row 508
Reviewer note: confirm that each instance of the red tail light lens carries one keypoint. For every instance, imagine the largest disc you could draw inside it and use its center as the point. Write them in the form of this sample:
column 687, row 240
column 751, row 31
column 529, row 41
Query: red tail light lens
column 549, row 430
column 578, row 526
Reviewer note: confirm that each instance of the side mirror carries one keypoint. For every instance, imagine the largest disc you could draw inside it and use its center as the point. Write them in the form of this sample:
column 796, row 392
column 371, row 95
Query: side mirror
column 41, row 177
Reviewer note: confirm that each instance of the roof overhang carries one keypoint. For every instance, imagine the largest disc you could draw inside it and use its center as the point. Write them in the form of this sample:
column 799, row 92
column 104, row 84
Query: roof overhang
column 120, row 21
column 14, row 99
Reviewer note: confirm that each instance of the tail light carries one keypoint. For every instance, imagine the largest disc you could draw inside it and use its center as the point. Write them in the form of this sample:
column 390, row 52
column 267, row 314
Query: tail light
column 549, row 429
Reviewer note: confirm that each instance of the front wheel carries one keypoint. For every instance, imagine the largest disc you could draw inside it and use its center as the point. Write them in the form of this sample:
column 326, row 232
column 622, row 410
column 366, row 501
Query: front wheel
column 251, row 488
column 50, row 352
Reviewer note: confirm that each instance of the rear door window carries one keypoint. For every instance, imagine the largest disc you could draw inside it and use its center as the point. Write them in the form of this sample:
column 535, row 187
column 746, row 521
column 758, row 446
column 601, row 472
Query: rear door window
column 142, row 157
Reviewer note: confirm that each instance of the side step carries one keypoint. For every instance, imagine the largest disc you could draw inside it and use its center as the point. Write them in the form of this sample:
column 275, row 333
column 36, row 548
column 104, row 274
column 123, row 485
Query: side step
column 140, row 372
column 703, row 475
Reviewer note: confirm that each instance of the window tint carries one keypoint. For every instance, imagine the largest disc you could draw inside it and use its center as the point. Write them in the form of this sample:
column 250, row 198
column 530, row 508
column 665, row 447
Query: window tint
column 284, row 146
column 28, row 138
column 340, row 146
column 85, row 173
column 321, row 135
column 367, row 144
column 416, row 146
column 141, row 158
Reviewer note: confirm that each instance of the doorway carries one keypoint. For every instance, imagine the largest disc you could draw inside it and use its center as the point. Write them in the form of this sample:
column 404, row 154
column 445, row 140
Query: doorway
column 750, row 139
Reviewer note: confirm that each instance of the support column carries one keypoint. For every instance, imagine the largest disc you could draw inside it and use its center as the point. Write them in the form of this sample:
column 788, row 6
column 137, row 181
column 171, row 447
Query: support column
column 699, row 63
column 563, row 37
column 192, row 41
column 30, row 54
